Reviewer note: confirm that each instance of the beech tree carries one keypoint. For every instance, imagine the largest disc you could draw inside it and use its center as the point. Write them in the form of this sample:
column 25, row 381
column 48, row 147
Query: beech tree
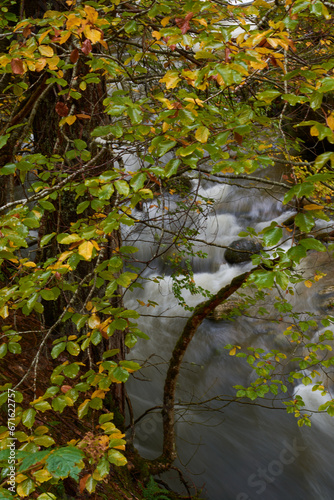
column 107, row 109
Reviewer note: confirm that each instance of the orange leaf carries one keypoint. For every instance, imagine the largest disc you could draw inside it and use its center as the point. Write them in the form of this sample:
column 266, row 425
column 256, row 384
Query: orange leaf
column 62, row 109
column 74, row 56
column 65, row 388
column 86, row 47
column 83, row 481
column 17, row 66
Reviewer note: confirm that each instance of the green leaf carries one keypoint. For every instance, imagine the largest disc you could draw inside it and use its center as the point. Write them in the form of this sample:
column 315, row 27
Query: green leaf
column 47, row 294
column 57, row 349
column 120, row 374
column 32, row 459
column 28, row 417
column 101, row 131
column 3, row 350
column 71, row 370
column 96, row 337
column 26, row 487
column 82, row 206
column 137, row 182
column 3, row 140
column 47, row 205
column 299, row 190
column 305, row 222
column 221, row 139
column 73, row 348
column 42, row 406
column 8, row 169
column 125, row 279
column 116, row 457
column 272, row 236
column 44, row 441
column 103, row 467
column 65, row 462
column 45, row 239
column 268, row 95
column 135, row 115
column 263, row 279
column 164, row 146
column 14, row 348
column 330, row 411
column 122, row 187
column 312, row 244
column 79, row 144
column 171, row 167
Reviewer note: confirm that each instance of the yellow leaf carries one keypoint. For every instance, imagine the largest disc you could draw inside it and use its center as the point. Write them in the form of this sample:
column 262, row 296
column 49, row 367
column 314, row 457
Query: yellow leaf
column 156, row 34
column 64, row 256
column 314, row 131
column 72, row 21
column 165, row 21
column 165, row 127
column 104, row 325
column 43, row 35
column 86, row 250
column 91, row 13
column 53, row 63
column 195, row 101
column 202, row 22
column 42, row 475
column 94, row 321
column 20, row 478
column 330, row 121
column 308, row 283
column 69, row 119
column 171, row 79
column 95, row 245
column 233, row 351
column 318, row 277
column 72, row 337
column 202, row 134
column 99, row 394
column 92, row 35
column 4, row 312
column 39, row 64
column 46, row 50
column 64, row 37
column 313, row 207
column 29, row 264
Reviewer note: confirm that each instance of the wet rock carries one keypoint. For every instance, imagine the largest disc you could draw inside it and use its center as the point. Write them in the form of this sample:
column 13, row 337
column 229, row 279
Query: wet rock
column 241, row 250
column 228, row 308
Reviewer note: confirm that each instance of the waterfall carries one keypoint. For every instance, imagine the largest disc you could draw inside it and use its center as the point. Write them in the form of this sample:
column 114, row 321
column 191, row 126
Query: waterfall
column 234, row 451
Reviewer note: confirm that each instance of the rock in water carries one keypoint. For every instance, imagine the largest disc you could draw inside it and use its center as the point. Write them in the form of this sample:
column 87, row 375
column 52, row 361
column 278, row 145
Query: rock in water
column 241, row 250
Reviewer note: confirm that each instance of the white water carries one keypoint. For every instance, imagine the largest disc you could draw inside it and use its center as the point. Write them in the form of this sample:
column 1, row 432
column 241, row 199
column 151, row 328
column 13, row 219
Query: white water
column 240, row 452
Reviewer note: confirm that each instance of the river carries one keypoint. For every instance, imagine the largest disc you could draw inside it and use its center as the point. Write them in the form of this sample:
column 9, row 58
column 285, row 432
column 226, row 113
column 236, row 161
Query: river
column 233, row 451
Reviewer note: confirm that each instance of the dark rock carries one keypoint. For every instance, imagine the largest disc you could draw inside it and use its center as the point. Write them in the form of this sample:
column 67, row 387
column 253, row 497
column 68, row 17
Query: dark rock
column 242, row 250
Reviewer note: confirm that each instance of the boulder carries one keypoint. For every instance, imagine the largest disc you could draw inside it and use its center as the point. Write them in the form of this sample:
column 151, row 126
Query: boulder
column 241, row 250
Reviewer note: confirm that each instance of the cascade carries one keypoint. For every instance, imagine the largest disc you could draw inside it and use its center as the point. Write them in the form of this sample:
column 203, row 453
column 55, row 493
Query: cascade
column 234, row 451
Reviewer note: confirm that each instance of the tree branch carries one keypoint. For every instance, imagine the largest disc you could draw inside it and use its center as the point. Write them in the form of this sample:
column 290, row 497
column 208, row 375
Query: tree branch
column 201, row 311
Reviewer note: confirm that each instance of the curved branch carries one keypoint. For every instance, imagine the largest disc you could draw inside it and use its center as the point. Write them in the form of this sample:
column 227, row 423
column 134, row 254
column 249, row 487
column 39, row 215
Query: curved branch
column 201, row 311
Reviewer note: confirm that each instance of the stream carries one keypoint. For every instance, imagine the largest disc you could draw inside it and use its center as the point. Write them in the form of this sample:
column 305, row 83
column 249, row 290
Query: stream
column 232, row 451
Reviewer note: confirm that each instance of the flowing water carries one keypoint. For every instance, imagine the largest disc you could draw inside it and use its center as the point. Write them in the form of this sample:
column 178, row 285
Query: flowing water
column 234, row 451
